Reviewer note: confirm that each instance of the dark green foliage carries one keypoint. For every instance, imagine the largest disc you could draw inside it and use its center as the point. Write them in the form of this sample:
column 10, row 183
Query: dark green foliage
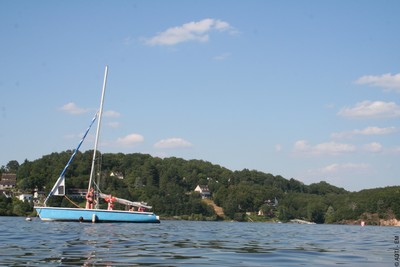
column 22, row 208
column 168, row 185
column 12, row 166
column 323, row 188
column 6, row 208
column 13, row 206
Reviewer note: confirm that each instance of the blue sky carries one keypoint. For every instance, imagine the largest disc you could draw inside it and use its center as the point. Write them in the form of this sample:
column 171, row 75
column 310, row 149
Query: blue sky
column 303, row 89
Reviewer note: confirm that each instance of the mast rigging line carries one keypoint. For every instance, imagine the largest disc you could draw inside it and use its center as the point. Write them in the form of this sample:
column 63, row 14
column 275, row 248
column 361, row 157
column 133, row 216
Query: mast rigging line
column 61, row 177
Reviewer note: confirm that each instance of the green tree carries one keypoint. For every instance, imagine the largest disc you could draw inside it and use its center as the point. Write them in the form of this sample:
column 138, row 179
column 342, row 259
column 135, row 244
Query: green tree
column 5, row 206
column 12, row 166
column 330, row 215
column 316, row 212
column 21, row 208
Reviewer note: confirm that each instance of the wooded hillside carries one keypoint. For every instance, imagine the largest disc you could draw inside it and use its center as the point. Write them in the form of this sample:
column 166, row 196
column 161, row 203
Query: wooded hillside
column 168, row 185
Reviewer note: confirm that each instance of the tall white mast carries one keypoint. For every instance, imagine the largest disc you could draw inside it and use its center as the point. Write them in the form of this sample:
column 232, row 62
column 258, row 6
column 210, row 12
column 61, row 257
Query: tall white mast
column 100, row 113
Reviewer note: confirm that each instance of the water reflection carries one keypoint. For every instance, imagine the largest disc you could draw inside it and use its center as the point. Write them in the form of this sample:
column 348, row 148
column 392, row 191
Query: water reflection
column 174, row 243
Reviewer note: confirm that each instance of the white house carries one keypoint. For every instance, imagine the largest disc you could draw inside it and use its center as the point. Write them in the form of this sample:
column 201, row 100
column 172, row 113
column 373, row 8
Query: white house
column 119, row 175
column 27, row 197
column 203, row 190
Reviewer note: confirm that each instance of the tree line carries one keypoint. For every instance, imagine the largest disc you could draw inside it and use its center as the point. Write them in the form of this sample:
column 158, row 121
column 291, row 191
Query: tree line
column 168, row 185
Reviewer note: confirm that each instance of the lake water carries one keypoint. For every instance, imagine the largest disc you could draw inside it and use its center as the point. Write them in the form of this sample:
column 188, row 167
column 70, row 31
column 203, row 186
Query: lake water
column 186, row 243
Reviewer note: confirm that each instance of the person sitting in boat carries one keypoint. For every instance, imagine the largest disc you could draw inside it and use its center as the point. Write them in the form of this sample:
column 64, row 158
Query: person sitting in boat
column 141, row 209
column 90, row 199
column 110, row 201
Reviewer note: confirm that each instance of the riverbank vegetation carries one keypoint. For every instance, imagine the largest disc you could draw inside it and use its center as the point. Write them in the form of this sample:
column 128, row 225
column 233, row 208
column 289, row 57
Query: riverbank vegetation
column 168, row 185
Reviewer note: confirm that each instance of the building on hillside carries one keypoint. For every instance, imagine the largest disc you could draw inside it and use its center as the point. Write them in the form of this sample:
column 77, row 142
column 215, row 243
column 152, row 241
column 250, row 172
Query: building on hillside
column 6, row 193
column 77, row 192
column 38, row 196
column 268, row 207
column 272, row 203
column 119, row 175
column 203, row 190
column 25, row 197
column 8, row 181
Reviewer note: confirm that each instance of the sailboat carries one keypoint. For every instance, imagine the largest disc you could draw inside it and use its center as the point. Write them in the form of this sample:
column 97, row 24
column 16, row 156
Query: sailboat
column 139, row 212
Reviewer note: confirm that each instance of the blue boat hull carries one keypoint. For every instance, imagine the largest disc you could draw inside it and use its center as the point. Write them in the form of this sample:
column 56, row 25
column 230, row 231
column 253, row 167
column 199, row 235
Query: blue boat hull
column 95, row 215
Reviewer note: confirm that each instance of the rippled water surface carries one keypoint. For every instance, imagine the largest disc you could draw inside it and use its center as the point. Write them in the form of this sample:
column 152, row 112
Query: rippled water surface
column 183, row 243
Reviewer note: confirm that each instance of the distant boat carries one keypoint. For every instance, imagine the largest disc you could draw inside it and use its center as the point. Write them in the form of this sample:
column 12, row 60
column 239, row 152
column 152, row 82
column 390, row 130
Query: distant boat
column 140, row 214
column 301, row 221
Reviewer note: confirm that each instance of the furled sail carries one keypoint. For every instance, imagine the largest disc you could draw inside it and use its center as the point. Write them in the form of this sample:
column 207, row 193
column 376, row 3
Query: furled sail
column 127, row 202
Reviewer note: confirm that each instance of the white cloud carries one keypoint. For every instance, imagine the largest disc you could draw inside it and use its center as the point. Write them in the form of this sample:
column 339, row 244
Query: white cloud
column 341, row 174
column 113, row 124
column 387, row 81
column 371, row 109
column 192, row 31
column 73, row 109
column 328, row 148
column 130, row 140
column 278, row 147
column 373, row 147
column 301, row 145
column 111, row 114
column 172, row 143
column 343, row 167
column 333, row 148
column 371, row 130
